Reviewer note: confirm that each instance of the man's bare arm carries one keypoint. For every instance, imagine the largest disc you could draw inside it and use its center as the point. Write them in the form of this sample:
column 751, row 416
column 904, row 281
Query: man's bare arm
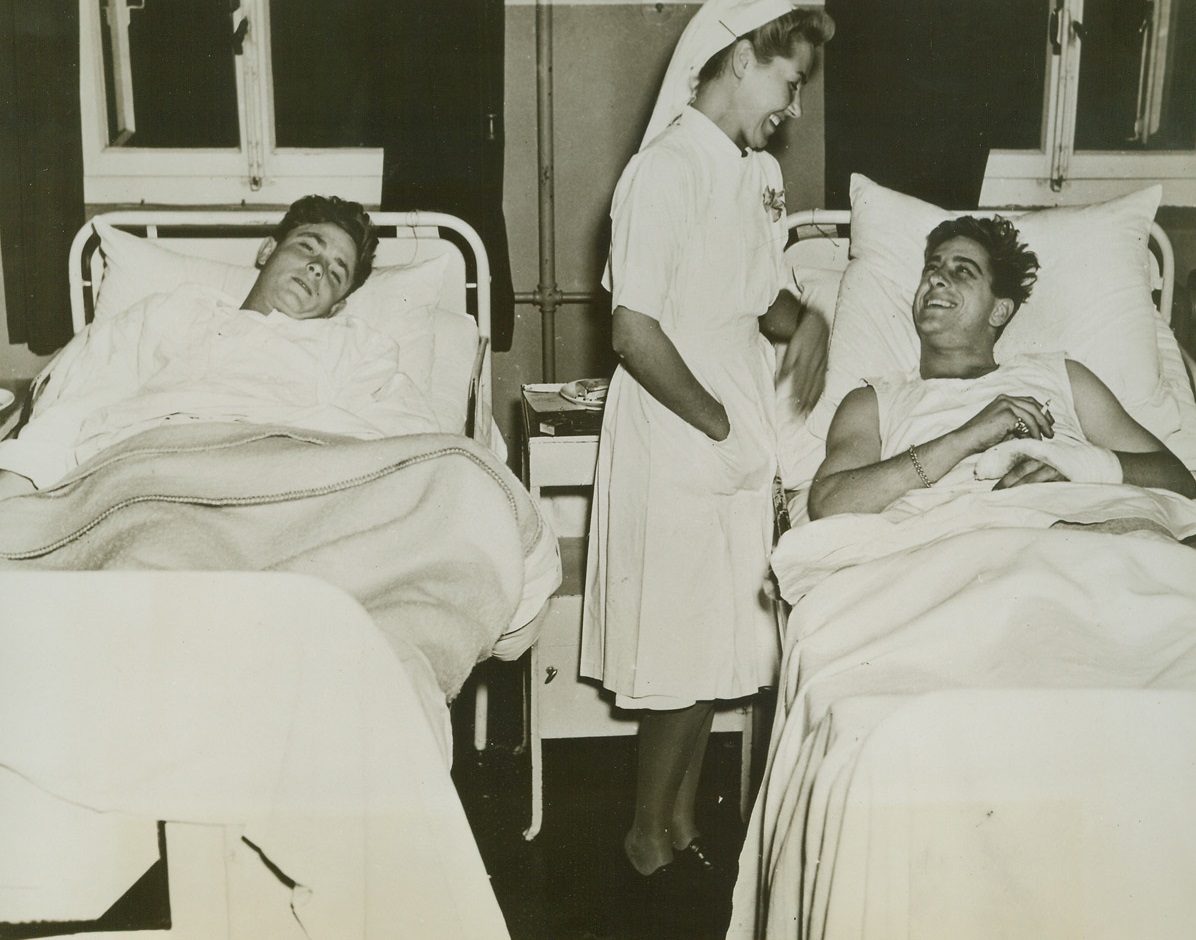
column 653, row 361
column 853, row 478
column 1145, row 460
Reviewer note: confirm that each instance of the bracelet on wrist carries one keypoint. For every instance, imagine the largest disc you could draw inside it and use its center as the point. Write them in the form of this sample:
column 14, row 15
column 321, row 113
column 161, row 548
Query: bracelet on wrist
column 913, row 456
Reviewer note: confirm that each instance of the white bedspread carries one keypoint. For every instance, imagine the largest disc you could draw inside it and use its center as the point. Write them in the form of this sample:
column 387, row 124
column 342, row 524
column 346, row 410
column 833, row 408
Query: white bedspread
column 268, row 704
column 323, row 736
column 982, row 731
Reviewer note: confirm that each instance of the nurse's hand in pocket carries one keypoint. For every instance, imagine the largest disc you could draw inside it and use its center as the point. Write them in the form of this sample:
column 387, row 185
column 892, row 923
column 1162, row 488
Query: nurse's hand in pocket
column 720, row 428
column 803, row 366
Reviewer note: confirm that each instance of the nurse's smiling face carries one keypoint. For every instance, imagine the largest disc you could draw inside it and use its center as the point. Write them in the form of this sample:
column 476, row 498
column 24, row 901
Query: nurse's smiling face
column 768, row 93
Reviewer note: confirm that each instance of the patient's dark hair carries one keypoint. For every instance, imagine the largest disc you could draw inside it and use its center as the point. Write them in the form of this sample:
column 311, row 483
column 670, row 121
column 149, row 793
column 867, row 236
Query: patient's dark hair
column 1014, row 266
column 776, row 38
column 349, row 216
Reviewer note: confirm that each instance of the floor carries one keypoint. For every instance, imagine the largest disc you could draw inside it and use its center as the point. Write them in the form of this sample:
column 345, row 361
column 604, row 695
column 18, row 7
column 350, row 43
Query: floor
column 572, row 882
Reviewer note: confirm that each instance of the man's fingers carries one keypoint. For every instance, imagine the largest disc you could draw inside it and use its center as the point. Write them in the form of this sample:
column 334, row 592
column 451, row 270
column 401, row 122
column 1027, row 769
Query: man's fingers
column 1029, row 471
column 1029, row 419
column 1017, row 473
column 1041, row 414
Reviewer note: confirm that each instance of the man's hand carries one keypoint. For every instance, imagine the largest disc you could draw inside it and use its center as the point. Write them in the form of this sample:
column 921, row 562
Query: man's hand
column 804, row 362
column 1029, row 470
column 1009, row 462
column 1144, row 459
column 1007, row 417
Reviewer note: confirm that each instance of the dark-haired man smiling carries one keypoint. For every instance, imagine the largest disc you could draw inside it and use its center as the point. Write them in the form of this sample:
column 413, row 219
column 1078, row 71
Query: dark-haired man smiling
column 961, row 416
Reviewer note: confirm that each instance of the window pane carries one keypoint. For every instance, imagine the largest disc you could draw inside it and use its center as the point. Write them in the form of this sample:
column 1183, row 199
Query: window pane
column 321, row 52
column 1013, row 93
column 171, row 78
column 1119, row 106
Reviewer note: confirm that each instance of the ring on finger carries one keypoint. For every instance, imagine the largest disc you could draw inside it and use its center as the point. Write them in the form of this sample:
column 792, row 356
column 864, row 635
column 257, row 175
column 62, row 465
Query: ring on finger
column 1021, row 429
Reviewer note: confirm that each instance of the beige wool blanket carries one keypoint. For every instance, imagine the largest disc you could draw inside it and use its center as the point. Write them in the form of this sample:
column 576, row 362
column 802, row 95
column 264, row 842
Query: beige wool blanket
column 431, row 533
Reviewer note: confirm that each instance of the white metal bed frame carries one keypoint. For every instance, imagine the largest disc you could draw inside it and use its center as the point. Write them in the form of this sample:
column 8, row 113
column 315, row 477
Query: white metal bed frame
column 199, row 898
column 411, row 233
column 824, row 245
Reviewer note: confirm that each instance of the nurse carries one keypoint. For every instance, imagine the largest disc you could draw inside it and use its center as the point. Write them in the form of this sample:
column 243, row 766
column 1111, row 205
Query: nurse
column 682, row 516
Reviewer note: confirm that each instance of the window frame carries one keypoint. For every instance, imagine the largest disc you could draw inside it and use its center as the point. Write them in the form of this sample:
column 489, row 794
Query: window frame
column 256, row 173
column 1057, row 173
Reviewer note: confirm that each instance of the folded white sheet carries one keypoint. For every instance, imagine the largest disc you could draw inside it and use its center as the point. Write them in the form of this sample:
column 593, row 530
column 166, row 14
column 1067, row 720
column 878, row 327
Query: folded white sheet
column 807, row 553
column 193, row 356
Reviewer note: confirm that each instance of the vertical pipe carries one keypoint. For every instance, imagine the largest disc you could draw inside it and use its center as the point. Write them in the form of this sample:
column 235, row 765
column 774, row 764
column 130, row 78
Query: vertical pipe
column 547, row 290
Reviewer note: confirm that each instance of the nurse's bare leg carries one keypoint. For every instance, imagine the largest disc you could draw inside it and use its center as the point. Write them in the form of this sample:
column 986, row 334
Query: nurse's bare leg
column 684, row 827
column 666, row 747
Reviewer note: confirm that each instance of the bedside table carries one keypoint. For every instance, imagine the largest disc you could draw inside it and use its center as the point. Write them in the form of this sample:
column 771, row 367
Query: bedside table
column 560, row 704
column 565, row 458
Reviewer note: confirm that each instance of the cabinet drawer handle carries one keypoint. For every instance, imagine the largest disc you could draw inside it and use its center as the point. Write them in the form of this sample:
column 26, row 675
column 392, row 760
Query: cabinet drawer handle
column 549, row 674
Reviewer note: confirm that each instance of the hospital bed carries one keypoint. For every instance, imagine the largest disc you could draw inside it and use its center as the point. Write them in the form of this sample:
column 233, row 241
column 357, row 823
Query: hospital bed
column 986, row 723
column 228, row 649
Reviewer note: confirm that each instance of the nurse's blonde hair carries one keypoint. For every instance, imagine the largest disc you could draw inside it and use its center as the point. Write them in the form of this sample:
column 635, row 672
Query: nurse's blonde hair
column 777, row 37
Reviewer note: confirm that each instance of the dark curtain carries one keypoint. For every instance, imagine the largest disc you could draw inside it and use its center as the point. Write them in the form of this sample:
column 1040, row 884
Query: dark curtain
column 439, row 95
column 917, row 93
column 41, row 166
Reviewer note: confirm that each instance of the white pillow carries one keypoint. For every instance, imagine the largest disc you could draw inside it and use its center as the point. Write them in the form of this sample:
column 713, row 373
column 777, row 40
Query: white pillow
column 400, row 301
column 1092, row 299
column 135, row 268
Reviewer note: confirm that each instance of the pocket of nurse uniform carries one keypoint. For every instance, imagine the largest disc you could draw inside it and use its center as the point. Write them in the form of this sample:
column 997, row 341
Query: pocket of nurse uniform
column 743, row 460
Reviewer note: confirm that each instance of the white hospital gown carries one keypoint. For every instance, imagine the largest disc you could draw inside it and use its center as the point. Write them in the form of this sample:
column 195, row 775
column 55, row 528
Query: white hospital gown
column 681, row 525
column 194, row 355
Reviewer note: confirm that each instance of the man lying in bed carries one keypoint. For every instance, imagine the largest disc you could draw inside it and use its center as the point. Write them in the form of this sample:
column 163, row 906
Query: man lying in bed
column 277, row 356
column 963, row 418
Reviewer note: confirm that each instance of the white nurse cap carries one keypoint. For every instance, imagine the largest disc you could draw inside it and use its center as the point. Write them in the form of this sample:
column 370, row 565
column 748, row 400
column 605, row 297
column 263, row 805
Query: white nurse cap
column 716, row 25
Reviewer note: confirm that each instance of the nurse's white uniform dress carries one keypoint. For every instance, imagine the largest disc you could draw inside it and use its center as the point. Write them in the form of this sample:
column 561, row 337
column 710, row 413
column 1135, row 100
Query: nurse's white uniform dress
column 681, row 525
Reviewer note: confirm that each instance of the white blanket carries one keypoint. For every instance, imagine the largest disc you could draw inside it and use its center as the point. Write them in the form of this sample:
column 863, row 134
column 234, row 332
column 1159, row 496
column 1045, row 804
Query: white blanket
column 193, row 355
column 877, row 821
column 807, row 553
column 269, row 705
column 318, row 732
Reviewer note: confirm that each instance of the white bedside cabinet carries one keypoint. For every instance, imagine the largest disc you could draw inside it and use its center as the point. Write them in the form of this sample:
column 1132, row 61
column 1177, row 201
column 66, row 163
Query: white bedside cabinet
column 559, row 703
